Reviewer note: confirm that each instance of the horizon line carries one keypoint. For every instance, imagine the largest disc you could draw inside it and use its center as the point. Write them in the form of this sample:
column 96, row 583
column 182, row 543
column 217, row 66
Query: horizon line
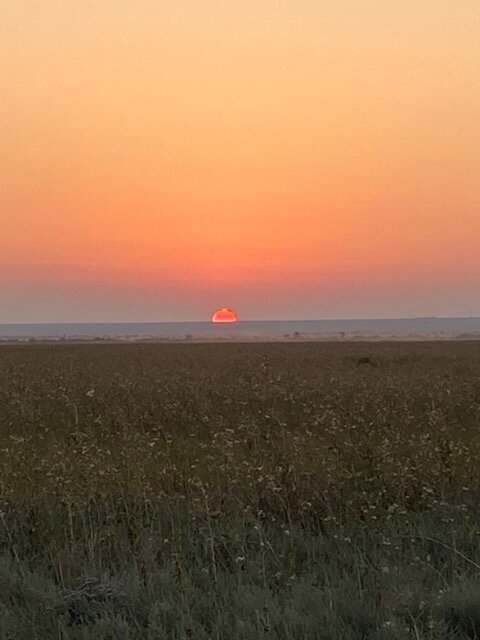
column 147, row 322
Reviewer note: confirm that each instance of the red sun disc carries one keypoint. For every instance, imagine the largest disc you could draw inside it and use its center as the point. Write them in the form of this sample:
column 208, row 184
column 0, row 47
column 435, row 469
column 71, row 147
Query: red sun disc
column 224, row 315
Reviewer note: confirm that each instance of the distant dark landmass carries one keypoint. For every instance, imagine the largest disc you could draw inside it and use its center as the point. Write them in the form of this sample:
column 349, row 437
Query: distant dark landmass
column 369, row 329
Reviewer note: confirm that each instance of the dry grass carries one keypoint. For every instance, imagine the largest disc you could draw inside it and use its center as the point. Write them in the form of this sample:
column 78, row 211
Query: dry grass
column 300, row 491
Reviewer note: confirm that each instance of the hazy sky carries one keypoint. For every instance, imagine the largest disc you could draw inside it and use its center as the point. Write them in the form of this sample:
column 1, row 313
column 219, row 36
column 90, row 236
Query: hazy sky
column 290, row 159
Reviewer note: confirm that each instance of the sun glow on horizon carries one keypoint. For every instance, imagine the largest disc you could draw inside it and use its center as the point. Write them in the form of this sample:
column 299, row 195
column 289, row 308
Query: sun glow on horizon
column 224, row 315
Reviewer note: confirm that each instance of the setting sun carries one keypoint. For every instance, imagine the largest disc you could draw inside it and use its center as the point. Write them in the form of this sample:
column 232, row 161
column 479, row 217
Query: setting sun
column 224, row 315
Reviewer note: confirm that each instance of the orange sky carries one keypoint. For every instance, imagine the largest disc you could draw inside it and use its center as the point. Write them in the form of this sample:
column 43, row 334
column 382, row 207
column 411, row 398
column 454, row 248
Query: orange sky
column 292, row 159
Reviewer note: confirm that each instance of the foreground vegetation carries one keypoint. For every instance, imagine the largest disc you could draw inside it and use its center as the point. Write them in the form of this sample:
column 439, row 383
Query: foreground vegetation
column 240, row 492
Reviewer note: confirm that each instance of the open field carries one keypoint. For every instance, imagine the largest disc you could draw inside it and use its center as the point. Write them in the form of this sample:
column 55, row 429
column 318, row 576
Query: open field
column 240, row 491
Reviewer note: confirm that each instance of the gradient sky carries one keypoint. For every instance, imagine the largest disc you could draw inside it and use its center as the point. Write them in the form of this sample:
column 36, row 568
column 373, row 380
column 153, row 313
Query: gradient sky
column 289, row 159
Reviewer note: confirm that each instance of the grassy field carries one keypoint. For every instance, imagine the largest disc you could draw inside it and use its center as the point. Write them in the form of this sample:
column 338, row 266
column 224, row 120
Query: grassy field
column 240, row 491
